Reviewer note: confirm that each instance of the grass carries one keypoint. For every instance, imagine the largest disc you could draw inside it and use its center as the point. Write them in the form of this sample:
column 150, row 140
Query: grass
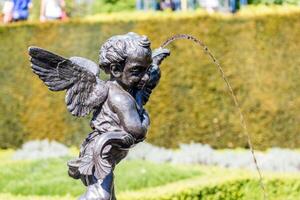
column 47, row 180
column 49, row 177
column 135, row 175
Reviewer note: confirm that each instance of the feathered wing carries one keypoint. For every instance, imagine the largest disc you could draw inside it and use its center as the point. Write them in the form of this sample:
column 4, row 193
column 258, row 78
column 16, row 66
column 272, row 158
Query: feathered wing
column 158, row 55
column 79, row 76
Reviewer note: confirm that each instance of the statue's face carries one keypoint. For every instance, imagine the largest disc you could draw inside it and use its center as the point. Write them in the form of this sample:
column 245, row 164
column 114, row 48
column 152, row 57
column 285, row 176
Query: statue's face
column 134, row 71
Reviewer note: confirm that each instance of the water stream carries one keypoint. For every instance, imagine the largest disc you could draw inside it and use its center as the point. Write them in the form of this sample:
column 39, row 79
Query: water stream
column 242, row 119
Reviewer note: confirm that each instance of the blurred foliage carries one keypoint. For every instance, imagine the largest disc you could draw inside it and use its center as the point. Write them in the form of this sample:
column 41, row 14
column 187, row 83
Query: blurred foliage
column 100, row 6
column 253, row 10
column 270, row 2
column 260, row 55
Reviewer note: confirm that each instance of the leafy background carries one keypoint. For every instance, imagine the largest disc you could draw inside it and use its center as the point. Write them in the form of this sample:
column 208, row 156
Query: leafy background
column 260, row 55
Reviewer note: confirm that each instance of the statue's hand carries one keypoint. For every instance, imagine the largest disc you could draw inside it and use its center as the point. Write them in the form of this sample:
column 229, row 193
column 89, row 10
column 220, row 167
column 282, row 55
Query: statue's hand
column 145, row 119
column 158, row 55
column 147, row 92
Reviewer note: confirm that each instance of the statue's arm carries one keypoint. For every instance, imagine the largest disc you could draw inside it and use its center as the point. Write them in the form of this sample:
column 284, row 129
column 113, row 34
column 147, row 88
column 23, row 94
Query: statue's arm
column 158, row 55
column 154, row 73
column 130, row 119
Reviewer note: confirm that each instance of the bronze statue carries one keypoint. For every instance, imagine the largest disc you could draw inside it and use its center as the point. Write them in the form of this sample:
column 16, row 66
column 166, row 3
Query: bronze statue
column 119, row 118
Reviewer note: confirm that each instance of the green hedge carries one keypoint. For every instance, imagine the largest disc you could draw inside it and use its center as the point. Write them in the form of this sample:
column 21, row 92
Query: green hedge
column 270, row 2
column 260, row 55
column 230, row 187
column 239, row 189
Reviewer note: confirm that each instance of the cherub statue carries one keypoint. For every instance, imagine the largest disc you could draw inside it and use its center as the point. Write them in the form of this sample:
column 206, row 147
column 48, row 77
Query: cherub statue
column 119, row 118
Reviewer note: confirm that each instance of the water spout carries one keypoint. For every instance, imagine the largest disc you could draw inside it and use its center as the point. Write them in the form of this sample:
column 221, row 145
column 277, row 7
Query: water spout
column 242, row 119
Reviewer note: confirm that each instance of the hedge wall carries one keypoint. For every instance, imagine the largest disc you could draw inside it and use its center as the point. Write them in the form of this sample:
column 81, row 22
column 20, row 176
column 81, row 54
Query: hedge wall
column 229, row 188
column 235, row 189
column 260, row 55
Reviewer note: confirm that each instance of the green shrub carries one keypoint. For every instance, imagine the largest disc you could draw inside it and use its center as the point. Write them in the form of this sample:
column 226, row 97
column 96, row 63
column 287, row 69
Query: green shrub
column 246, row 189
column 141, row 180
column 270, row 2
column 260, row 55
column 225, row 188
column 112, row 6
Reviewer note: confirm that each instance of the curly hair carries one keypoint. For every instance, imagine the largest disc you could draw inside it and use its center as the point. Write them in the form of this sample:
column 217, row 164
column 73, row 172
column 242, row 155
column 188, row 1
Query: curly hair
column 117, row 48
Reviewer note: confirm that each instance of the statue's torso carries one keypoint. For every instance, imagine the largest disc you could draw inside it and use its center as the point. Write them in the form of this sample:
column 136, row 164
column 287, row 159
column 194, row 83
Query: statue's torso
column 105, row 119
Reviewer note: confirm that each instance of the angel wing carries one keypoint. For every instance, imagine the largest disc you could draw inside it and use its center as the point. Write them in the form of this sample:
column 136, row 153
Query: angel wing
column 158, row 55
column 79, row 76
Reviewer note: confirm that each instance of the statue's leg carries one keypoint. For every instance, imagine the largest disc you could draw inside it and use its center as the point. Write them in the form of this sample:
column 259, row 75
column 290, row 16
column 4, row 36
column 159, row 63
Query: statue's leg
column 106, row 150
column 102, row 190
column 113, row 195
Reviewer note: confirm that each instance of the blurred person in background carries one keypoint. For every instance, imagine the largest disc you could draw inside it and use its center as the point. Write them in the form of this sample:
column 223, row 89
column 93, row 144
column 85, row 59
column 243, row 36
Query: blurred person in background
column 52, row 10
column 233, row 4
column 167, row 5
column 191, row 4
column 188, row 5
column 21, row 10
column 7, row 11
column 139, row 4
column 147, row 4
column 177, row 5
column 209, row 5
column 243, row 2
column 150, row 4
column 184, row 5
column 157, row 5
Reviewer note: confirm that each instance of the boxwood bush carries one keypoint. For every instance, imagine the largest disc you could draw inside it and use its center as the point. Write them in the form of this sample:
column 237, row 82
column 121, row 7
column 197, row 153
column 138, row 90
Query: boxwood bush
column 234, row 189
column 226, row 188
column 260, row 55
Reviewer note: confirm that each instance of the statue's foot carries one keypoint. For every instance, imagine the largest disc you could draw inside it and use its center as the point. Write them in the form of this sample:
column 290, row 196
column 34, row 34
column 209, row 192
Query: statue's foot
column 95, row 192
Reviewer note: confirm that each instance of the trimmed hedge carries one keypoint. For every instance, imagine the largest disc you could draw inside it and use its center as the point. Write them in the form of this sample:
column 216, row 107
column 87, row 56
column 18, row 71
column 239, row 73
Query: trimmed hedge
column 235, row 189
column 260, row 55
column 227, row 188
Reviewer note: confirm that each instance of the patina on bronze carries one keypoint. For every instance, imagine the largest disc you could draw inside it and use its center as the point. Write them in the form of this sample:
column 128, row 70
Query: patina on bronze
column 119, row 118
